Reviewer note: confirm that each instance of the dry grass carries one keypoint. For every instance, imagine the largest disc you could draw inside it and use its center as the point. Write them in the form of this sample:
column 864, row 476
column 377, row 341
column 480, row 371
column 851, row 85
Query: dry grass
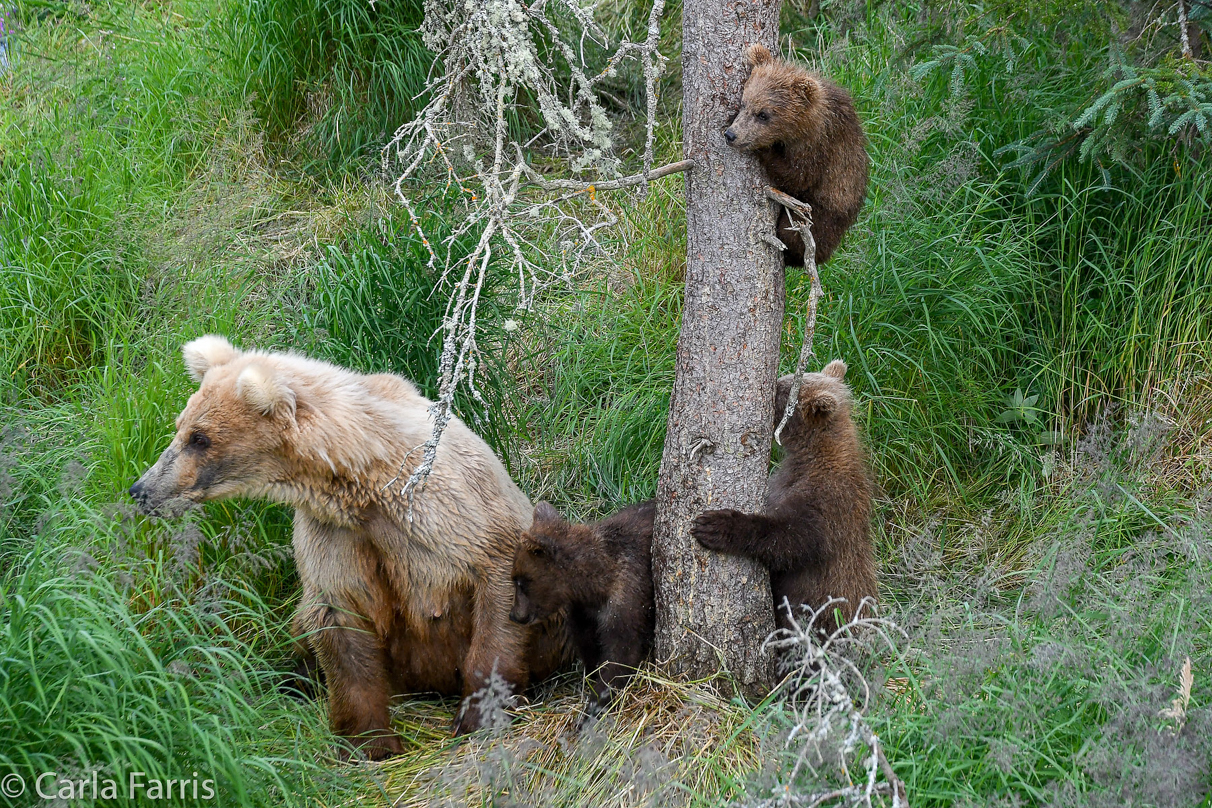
column 664, row 742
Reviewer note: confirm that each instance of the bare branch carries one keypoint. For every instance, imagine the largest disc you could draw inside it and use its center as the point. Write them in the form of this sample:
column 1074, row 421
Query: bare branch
column 799, row 213
column 497, row 55
column 610, row 185
column 1182, row 28
column 654, row 65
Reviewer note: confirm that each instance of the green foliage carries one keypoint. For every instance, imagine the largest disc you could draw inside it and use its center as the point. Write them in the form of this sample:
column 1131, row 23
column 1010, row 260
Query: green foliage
column 90, row 684
column 598, row 424
column 375, row 305
column 85, row 145
column 1059, row 688
column 60, row 293
column 1148, row 100
column 1177, row 97
column 335, row 76
column 1019, row 408
column 1052, row 576
column 597, row 370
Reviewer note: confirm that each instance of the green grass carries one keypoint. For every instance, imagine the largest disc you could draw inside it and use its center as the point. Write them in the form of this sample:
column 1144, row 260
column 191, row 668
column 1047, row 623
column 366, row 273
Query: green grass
column 336, row 76
column 375, row 305
column 165, row 687
column 168, row 170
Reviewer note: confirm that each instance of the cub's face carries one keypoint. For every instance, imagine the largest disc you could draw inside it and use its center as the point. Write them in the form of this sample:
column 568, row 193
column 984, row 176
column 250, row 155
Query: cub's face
column 540, row 586
column 537, row 584
column 756, row 125
column 229, row 436
column 776, row 97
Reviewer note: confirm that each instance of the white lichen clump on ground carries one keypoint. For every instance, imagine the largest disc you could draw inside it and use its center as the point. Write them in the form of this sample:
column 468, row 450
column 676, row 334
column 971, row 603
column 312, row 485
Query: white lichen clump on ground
column 830, row 755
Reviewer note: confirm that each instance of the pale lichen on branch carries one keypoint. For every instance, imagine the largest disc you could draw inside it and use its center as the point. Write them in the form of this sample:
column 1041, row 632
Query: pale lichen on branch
column 506, row 66
column 799, row 215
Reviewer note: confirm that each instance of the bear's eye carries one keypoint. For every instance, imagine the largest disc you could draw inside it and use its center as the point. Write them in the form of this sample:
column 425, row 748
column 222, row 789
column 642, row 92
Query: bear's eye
column 537, row 551
column 763, row 116
column 198, row 440
column 520, row 584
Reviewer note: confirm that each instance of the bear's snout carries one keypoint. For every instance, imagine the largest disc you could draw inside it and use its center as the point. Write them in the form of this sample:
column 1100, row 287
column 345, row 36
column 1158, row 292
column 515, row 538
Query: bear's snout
column 729, row 135
column 142, row 494
column 156, row 486
column 521, row 613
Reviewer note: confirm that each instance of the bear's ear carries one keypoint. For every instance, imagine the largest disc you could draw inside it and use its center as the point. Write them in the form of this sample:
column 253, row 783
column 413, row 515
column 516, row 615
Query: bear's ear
column 544, row 547
column 545, row 512
column 205, row 353
column 757, row 54
column 835, row 369
column 810, row 90
column 819, row 401
column 265, row 391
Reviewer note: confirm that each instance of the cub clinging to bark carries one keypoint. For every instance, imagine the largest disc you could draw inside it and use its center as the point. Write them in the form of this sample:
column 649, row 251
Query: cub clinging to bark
column 804, row 131
column 814, row 535
column 602, row 574
column 393, row 601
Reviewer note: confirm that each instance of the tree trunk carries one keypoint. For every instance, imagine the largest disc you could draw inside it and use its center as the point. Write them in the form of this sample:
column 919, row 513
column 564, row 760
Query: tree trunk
column 714, row 610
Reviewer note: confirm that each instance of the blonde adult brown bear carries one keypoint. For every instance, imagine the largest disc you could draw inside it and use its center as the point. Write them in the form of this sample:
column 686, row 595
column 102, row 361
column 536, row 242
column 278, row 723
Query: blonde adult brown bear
column 390, row 604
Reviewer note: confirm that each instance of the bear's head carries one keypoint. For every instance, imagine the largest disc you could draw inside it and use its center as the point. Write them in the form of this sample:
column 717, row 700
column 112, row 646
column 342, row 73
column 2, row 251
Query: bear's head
column 542, row 583
column 824, row 399
column 230, row 434
column 777, row 100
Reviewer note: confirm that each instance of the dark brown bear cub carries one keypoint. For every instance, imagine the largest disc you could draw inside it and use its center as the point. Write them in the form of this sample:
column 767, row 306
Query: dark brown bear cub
column 814, row 535
column 602, row 574
column 804, row 131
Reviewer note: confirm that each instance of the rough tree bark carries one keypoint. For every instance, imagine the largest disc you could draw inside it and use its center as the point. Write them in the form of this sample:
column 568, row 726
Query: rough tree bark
column 713, row 610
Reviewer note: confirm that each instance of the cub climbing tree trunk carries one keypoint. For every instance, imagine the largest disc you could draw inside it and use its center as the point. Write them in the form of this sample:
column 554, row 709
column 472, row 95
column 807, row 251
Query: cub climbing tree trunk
column 713, row 610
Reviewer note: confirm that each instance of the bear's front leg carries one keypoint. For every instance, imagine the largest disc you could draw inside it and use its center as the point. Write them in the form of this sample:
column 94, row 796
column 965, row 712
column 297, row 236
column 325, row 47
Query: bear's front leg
column 498, row 645
column 623, row 635
column 779, row 542
column 305, row 680
column 359, row 688
column 727, row 531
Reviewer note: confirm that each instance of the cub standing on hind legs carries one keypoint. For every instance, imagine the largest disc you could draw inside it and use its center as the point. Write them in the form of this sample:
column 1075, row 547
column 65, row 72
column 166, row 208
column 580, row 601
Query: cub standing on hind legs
column 804, row 131
column 602, row 573
column 814, row 535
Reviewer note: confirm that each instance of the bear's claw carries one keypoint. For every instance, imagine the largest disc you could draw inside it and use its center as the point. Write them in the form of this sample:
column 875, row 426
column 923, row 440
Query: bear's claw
column 713, row 529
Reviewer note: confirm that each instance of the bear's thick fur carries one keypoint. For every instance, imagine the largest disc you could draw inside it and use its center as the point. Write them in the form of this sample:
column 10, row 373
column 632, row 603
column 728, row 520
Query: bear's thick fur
column 814, row 535
column 804, row 131
column 601, row 573
column 391, row 604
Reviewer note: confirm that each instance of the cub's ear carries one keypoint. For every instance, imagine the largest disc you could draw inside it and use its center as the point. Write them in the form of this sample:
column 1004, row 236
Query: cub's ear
column 265, row 391
column 810, row 90
column 819, row 401
column 545, row 512
column 205, row 353
column 835, row 369
column 544, row 547
column 757, row 54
